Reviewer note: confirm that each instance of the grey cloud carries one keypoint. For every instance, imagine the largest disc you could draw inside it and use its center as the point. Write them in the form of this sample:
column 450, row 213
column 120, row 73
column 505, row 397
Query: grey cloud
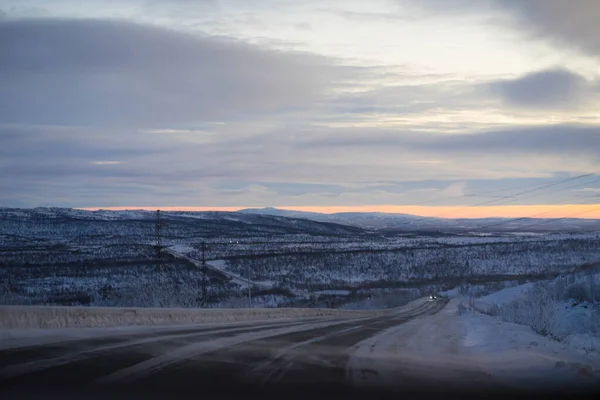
column 28, row 144
column 552, row 140
column 571, row 23
column 319, row 162
column 538, row 91
column 412, row 99
column 557, row 88
column 452, row 8
column 102, row 72
column 65, row 153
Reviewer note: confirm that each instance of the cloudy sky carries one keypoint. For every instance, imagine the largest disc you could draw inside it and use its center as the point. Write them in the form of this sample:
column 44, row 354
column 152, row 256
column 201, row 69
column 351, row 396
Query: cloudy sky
column 423, row 106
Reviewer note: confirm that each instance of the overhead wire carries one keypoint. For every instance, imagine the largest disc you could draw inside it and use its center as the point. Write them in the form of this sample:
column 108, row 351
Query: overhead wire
column 503, row 199
column 510, row 220
column 556, row 219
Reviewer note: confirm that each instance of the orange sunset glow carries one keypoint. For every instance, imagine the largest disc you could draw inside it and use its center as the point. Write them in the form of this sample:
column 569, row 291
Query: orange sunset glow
column 590, row 211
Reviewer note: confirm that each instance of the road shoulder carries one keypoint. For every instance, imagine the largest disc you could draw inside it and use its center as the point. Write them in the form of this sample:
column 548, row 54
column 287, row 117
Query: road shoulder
column 470, row 349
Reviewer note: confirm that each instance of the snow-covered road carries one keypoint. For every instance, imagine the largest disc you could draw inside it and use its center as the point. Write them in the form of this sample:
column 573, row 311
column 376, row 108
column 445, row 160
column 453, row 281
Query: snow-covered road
column 305, row 349
column 424, row 344
column 219, row 266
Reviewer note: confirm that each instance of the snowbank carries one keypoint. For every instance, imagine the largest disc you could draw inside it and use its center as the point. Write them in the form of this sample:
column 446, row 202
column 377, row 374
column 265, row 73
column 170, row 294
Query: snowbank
column 584, row 343
column 468, row 349
column 34, row 317
column 503, row 296
column 515, row 355
column 548, row 308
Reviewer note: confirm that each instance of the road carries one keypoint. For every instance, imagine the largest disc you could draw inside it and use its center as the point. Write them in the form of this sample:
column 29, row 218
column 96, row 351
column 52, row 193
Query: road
column 202, row 359
column 210, row 265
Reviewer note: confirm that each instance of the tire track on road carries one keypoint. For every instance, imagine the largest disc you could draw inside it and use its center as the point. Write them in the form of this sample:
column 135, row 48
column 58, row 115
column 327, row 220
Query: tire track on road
column 332, row 352
column 180, row 355
column 139, row 350
column 277, row 354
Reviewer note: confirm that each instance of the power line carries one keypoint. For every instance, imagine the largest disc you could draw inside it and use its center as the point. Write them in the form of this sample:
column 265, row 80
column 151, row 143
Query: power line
column 204, row 281
column 511, row 220
column 570, row 187
column 557, row 219
column 535, row 188
column 158, row 247
column 503, row 199
column 530, row 216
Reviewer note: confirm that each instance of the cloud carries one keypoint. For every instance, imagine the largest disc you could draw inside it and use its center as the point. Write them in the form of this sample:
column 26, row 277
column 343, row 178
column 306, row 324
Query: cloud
column 549, row 140
column 455, row 189
column 106, row 162
column 101, row 72
column 555, row 88
column 568, row 23
column 361, row 166
column 163, row 117
column 593, row 190
column 412, row 99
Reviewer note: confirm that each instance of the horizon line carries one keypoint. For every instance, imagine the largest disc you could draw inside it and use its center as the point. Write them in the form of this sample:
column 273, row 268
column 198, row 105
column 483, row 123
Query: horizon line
column 580, row 211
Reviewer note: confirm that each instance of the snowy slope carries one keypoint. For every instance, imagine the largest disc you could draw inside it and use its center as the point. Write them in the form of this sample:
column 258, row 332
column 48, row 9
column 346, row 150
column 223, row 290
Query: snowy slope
column 406, row 222
column 503, row 296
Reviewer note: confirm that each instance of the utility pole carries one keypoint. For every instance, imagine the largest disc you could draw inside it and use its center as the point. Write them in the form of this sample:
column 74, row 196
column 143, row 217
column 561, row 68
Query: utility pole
column 592, row 285
column 249, row 292
column 158, row 242
column 204, row 295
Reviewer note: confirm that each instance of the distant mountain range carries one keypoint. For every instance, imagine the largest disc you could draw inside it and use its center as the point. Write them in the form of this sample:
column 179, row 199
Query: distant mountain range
column 207, row 223
column 390, row 222
column 273, row 220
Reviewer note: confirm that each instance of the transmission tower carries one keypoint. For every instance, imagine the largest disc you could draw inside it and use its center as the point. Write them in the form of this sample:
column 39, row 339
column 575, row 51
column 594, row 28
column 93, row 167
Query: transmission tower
column 204, row 283
column 158, row 242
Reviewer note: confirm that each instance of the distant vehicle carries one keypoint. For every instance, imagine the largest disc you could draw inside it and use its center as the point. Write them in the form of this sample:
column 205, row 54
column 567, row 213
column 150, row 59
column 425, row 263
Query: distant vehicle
column 433, row 297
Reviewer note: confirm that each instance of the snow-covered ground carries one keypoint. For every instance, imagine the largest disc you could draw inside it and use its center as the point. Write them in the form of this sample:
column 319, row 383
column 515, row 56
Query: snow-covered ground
column 456, row 348
column 181, row 251
column 221, row 266
column 563, row 306
column 514, row 354
column 503, row 296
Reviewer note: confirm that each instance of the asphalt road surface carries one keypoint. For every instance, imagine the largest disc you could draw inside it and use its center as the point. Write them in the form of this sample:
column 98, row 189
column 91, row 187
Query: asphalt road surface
column 205, row 361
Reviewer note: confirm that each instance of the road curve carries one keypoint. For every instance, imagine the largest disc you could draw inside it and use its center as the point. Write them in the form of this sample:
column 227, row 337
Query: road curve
column 202, row 359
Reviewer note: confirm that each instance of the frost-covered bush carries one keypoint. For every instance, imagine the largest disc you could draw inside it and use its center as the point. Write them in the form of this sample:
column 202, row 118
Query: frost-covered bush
column 535, row 309
column 579, row 292
column 549, row 310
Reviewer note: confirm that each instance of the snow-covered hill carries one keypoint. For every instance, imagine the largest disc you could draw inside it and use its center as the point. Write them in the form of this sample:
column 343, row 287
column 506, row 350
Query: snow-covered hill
column 207, row 223
column 393, row 223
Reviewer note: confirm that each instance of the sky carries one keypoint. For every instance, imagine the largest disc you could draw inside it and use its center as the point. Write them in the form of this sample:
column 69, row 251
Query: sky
column 490, row 107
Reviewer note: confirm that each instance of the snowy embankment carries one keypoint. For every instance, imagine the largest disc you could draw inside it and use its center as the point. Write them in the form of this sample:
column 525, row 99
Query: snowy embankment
column 561, row 309
column 457, row 347
column 501, row 297
column 40, row 317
